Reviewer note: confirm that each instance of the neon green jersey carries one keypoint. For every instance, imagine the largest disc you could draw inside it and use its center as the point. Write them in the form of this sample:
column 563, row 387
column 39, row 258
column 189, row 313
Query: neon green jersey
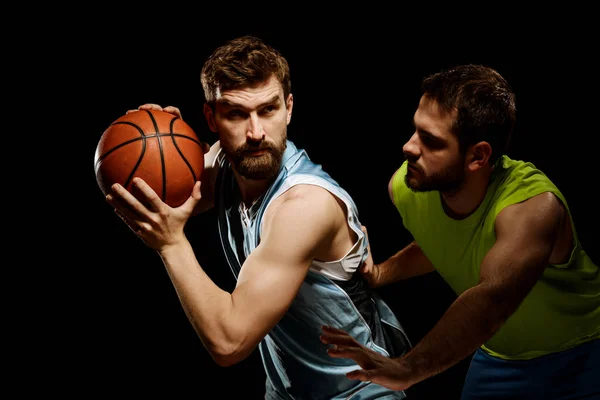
column 563, row 308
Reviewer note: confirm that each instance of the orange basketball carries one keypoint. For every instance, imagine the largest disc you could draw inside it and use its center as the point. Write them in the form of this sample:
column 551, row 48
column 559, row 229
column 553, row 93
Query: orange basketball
column 156, row 146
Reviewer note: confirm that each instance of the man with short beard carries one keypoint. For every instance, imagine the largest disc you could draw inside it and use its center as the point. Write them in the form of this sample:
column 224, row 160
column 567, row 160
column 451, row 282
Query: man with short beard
column 501, row 235
column 290, row 234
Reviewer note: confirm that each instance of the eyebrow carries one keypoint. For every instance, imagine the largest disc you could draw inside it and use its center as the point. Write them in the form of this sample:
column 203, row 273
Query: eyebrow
column 424, row 132
column 231, row 104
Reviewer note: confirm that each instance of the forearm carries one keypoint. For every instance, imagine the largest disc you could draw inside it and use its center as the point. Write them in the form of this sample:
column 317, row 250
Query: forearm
column 468, row 323
column 205, row 304
column 408, row 262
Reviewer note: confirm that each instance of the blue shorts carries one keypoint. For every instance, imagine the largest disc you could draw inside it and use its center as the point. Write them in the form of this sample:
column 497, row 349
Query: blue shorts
column 569, row 374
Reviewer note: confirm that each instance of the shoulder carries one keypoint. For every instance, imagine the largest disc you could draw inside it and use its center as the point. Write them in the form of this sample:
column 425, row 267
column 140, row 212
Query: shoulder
column 306, row 213
column 540, row 213
column 523, row 176
column 539, row 204
column 521, row 185
column 304, row 203
column 302, row 196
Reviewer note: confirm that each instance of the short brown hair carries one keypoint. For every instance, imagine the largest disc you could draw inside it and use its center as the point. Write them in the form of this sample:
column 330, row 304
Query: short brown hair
column 243, row 62
column 483, row 101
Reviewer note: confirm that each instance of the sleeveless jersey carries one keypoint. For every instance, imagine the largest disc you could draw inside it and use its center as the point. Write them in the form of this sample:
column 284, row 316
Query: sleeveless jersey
column 563, row 308
column 296, row 363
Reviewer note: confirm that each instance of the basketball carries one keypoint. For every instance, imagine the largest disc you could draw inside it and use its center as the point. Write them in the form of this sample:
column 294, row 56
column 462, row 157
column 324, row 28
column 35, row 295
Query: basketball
column 156, row 146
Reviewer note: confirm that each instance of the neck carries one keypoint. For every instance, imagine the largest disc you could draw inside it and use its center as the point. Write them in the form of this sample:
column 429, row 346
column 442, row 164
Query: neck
column 251, row 190
column 462, row 202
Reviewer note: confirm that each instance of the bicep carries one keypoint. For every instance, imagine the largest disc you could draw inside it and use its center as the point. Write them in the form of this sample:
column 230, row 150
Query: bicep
column 267, row 284
column 273, row 273
column 525, row 234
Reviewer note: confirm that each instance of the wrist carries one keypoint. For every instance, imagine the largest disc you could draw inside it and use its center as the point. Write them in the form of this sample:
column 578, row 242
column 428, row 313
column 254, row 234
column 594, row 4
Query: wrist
column 173, row 248
column 420, row 365
column 376, row 275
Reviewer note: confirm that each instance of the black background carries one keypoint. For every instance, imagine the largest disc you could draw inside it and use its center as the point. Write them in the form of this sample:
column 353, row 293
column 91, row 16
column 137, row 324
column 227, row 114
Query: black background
column 122, row 330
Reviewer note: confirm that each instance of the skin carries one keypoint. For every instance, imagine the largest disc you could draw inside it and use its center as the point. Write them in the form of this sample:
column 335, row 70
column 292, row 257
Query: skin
column 305, row 223
column 530, row 235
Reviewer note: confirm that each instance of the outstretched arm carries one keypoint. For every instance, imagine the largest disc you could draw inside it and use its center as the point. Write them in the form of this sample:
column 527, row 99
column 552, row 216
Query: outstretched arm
column 525, row 236
column 408, row 262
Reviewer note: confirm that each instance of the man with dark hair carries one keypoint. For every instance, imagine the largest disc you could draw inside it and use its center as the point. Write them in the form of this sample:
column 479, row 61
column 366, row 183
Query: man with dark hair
column 501, row 234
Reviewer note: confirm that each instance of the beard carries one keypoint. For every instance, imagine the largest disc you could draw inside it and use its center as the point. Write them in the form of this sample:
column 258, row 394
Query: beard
column 262, row 167
column 449, row 179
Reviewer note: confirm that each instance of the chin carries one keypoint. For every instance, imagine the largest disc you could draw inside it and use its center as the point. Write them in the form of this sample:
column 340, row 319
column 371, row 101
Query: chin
column 411, row 181
column 417, row 185
column 412, row 184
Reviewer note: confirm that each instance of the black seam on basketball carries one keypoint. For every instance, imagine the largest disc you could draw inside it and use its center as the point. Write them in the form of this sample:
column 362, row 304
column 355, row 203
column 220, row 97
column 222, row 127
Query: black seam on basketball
column 153, row 120
column 136, row 126
column 144, row 138
column 103, row 156
column 140, row 158
column 183, row 157
column 163, row 166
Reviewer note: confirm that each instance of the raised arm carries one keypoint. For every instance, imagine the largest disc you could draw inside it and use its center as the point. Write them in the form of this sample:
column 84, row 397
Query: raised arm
column 297, row 227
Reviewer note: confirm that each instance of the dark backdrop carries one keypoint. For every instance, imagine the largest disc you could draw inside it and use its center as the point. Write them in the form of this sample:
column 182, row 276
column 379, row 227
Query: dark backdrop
column 355, row 91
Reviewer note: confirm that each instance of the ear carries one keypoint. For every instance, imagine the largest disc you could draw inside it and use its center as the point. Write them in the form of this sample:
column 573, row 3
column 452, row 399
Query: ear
column 210, row 117
column 478, row 156
column 289, row 104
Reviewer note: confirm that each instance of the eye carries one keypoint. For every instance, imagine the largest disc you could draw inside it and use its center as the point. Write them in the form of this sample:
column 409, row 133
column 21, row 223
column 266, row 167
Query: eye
column 235, row 113
column 427, row 140
column 431, row 142
column 270, row 109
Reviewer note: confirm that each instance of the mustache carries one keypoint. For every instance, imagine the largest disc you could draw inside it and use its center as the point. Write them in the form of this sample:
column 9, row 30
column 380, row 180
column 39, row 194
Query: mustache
column 255, row 147
column 410, row 159
column 414, row 166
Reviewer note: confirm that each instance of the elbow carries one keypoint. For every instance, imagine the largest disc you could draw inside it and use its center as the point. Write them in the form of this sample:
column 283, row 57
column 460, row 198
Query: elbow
column 226, row 354
column 227, row 343
column 226, row 360
column 499, row 311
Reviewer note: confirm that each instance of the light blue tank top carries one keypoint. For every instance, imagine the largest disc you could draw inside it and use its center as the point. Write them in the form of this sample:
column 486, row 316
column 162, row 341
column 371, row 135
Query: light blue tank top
column 296, row 363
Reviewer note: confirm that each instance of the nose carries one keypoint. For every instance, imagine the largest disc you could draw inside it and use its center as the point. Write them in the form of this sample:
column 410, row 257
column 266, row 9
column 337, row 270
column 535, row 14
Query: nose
column 255, row 129
column 411, row 148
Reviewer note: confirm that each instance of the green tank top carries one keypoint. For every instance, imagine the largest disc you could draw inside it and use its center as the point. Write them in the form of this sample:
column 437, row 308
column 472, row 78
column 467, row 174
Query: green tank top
column 563, row 308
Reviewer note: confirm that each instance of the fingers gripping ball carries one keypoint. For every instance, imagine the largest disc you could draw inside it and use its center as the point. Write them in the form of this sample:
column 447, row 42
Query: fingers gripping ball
column 154, row 145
